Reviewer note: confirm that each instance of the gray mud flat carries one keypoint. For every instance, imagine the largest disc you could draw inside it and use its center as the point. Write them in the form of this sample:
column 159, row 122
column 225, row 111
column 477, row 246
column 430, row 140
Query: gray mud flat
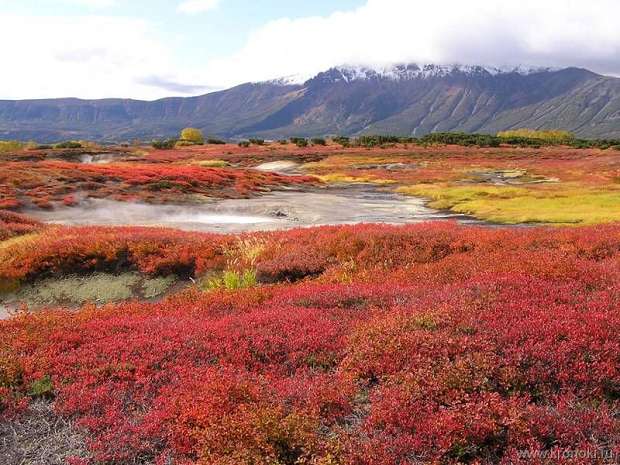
column 96, row 288
column 273, row 211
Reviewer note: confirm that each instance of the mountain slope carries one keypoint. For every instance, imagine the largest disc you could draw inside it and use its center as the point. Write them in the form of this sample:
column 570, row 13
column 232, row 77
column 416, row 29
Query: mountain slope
column 404, row 100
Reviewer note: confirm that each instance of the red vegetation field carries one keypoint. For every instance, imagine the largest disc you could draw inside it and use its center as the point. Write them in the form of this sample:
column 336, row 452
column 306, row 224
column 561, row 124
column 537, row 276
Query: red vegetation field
column 370, row 345
column 14, row 224
column 44, row 183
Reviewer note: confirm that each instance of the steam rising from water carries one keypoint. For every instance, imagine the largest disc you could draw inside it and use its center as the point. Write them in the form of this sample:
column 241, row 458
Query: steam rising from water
column 278, row 210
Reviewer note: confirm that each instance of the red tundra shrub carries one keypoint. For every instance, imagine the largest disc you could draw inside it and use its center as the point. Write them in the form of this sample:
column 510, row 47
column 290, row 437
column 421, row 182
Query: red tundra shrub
column 14, row 224
column 417, row 344
column 44, row 182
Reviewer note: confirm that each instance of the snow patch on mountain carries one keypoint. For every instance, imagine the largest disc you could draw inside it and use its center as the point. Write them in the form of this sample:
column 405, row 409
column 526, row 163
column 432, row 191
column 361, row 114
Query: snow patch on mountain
column 412, row 71
column 403, row 72
column 292, row 80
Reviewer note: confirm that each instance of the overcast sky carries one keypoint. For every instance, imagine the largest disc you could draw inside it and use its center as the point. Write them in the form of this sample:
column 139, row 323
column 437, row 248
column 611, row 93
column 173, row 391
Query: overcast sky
column 149, row 49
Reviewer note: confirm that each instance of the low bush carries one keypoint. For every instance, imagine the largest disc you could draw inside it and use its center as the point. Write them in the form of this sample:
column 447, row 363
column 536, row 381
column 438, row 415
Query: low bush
column 192, row 136
column 44, row 182
column 10, row 146
column 68, row 145
column 231, row 280
column 14, row 224
column 428, row 343
column 480, row 140
column 376, row 140
column 342, row 140
column 550, row 136
column 165, row 144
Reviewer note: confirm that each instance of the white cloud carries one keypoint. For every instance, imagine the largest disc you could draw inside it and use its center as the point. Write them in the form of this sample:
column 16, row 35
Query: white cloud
column 98, row 56
column 198, row 6
column 488, row 32
column 87, row 56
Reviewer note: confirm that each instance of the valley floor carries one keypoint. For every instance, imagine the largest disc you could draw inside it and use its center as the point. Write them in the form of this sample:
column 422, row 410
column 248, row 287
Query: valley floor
column 348, row 344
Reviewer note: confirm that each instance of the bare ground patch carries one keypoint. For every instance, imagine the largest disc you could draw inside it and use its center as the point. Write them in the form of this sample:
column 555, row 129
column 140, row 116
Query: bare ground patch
column 40, row 437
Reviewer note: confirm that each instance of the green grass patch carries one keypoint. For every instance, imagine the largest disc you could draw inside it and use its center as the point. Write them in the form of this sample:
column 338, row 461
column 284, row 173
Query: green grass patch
column 231, row 280
column 42, row 388
column 511, row 205
column 158, row 286
column 346, row 179
column 212, row 163
column 97, row 288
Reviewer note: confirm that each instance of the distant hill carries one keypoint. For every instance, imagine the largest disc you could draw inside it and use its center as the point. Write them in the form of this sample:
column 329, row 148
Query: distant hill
column 403, row 100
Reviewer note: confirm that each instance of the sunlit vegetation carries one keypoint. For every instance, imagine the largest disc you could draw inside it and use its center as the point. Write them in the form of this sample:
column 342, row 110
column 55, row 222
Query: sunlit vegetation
column 232, row 280
column 353, row 345
column 47, row 182
column 357, row 345
column 68, row 145
column 11, row 146
column 299, row 141
column 214, row 163
column 345, row 179
column 13, row 225
column 164, row 144
column 552, row 136
column 192, row 136
column 555, row 185
column 502, row 204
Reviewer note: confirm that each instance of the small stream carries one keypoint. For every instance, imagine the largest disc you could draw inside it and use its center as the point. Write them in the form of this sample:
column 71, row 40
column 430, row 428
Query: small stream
column 273, row 211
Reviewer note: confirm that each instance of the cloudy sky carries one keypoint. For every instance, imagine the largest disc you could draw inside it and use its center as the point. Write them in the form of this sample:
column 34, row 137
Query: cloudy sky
column 149, row 49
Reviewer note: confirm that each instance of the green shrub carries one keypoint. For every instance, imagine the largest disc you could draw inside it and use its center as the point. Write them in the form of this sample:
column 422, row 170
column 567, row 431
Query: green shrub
column 244, row 143
column 374, row 141
column 342, row 140
column 165, row 144
column 551, row 136
column 257, row 141
column 214, row 141
column 299, row 141
column 231, row 280
column 461, row 138
column 10, row 145
column 42, row 388
column 318, row 141
column 68, row 145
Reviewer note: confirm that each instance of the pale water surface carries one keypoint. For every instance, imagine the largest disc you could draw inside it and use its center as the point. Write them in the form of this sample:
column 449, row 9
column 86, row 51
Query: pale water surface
column 276, row 210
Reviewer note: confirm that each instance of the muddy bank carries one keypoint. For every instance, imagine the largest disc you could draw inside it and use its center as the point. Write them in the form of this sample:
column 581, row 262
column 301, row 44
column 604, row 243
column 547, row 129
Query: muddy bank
column 74, row 291
column 273, row 211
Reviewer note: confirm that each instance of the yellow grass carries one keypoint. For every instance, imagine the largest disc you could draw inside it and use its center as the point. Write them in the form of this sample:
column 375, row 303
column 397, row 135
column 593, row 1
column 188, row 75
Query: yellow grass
column 562, row 205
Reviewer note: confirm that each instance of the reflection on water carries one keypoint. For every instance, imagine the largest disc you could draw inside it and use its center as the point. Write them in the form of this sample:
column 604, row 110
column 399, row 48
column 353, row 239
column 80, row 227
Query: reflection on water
column 99, row 158
column 277, row 210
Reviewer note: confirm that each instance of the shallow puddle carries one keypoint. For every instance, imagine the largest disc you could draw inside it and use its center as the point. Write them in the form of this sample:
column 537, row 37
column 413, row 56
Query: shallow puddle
column 277, row 210
column 98, row 159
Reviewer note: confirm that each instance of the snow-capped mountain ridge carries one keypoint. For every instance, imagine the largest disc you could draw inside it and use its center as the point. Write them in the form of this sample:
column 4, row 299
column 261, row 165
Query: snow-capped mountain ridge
column 347, row 100
column 401, row 72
